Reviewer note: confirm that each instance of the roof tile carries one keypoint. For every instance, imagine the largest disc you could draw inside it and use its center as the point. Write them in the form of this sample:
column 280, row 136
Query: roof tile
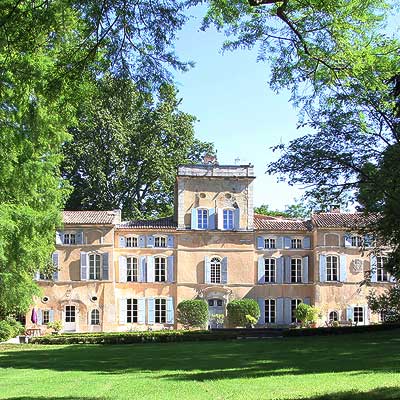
column 161, row 223
column 90, row 217
column 266, row 222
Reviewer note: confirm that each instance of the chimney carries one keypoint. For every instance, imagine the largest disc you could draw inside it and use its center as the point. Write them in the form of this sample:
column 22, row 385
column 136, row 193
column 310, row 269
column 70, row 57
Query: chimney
column 117, row 218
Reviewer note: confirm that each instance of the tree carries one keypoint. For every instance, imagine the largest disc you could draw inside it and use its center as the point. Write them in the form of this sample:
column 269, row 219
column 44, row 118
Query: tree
column 387, row 304
column 291, row 211
column 192, row 313
column 239, row 310
column 126, row 148
column 342, row 71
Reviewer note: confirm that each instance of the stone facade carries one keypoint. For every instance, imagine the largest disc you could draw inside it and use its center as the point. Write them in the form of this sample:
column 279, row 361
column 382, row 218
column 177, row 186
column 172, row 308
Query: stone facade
column 118, row 276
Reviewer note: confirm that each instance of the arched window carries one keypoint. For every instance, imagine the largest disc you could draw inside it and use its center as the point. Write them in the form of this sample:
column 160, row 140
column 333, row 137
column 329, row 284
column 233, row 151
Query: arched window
column 95, row 317
column 333, row 316
column 131, row 269
column 215, row 270
column 94, row 266
column 332, row 263
column 160, row 269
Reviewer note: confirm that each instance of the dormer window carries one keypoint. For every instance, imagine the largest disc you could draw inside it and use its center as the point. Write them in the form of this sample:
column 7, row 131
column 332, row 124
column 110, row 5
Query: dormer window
column 131, row 241
column 202, row 218
column 160, row 241
column 69, row 238
column 228, row 219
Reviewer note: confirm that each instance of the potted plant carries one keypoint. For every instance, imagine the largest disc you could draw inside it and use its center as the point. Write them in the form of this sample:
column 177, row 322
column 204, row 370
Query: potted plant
column 56, row 326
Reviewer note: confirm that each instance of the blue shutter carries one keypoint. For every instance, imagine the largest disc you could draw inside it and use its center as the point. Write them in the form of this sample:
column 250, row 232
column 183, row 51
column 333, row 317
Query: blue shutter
column 288, row 269
column 288, row 310
column 343, row 268
column 170, row 268
column 322, row 267
column 305, row 269
column 211, row 218
column 261, row 304
column 260, row 242
column 279, row 242
column 373, row 268
column 122, row 311
column 122, row 269
column 307, row 242
column 142, row 269
column 170, row 310
column 170, row 241
column 261, row 269
column 122, row 241
column 39, row 317
column 279, row 269
column 347, row 240
column 368, row 240
column 151, row 310
column 142, row 241
column 288, row 242
column 150, row 269
column 150, row 241
column 194, row 223
column 105, row 259
column 141, row 311
column 307, row 301
column 207, row 270
column 349, row 313
column 84, row 267
column 236, row 219
column 280, row 320
column 59, row 237
column 51, row 315
column 79, row 237
column 224, row 270
column 55, row 263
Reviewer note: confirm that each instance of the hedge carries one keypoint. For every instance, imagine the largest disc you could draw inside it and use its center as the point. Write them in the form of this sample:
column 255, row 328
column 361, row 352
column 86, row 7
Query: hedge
column 192, row 313
column 238, row 309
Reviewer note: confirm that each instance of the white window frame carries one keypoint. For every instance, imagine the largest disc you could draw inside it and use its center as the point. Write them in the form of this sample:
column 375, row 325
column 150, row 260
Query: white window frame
column 160, row 269
column 160, row 310
column 228, row 219
column 132, row 310
column 270, row 311
column 269, row 243
column 296, row 270
column 69, row 238
column 45, row 317
column 132, row 269
column 293, row 305
column 131, row 241
column 93, row 267
column 269, row 270
column 356, row 240
column 202, row 218
column 160, row 241
column 358, row 320
column 296, row 243
column 95, row 317
column 330, row 268
column 333, row 312
column 70, row 317
column 381, row 274
column 215, row 270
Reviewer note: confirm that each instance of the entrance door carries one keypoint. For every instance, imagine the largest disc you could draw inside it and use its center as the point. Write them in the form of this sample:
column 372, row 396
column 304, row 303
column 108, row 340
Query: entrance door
column 216, row 313
column 70, row 319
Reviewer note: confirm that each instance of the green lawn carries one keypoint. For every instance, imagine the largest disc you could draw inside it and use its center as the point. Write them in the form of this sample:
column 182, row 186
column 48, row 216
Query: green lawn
column 358, row 367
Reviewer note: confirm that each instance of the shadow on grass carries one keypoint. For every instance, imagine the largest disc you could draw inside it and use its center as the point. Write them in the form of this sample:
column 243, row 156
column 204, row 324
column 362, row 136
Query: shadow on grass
column 203, row 361
column 390, row 393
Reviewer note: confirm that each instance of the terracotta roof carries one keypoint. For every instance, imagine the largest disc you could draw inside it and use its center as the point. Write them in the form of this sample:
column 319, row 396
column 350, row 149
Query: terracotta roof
column 90, row 217
column 342, row 220
column 161, row 223
column 266, row 222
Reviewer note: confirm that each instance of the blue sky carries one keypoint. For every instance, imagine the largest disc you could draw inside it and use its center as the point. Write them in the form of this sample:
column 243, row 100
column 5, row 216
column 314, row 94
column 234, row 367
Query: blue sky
column 229, row 94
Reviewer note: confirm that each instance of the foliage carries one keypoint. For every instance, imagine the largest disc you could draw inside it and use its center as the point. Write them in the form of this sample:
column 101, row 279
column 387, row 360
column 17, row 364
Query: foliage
column 126, row 148
column 342, row 68
column 218, row 320
column 250, row 320
column 10, row 328
column 238, row 310
column 388, row 303
column 306, row 314
column 55, row 325
column 192, row 313
column 296, row 210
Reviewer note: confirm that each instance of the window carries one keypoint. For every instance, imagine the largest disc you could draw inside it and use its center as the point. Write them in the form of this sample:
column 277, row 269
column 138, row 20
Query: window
column 270, row 270
column 295, row 270
column 381, row 274
column 131, row 241
column 160, row 269
column 269, row 243
column 131, row 269
column 69, row 238
column 333, row 316
column 215, row 270
column 94, row 266
column 270, row 311
column 160, row 241
column 44, row 277
column 228, row 219
column 95, row 317
column 45, row 317
column 295, row 303
column 358, row 315
column 69, row 313
column 202, row 219
column 332, row 268
column 296, row 243
column 161, row 311
column 356, row 241
column 131, row 310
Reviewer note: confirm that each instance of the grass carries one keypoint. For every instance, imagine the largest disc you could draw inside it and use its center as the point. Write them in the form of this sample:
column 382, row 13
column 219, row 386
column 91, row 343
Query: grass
column 358, row 367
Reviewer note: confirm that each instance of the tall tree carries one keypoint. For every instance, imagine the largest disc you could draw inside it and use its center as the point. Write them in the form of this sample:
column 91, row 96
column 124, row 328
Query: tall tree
column 341, row 69
column 126, row 148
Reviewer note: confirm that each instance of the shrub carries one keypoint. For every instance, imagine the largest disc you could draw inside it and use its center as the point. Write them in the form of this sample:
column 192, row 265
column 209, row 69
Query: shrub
column 192, row 313
column 16, row 326
column 306, row 314
column 239, row 309
column 10, row 328
column 56, row 326
column 218, row 320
